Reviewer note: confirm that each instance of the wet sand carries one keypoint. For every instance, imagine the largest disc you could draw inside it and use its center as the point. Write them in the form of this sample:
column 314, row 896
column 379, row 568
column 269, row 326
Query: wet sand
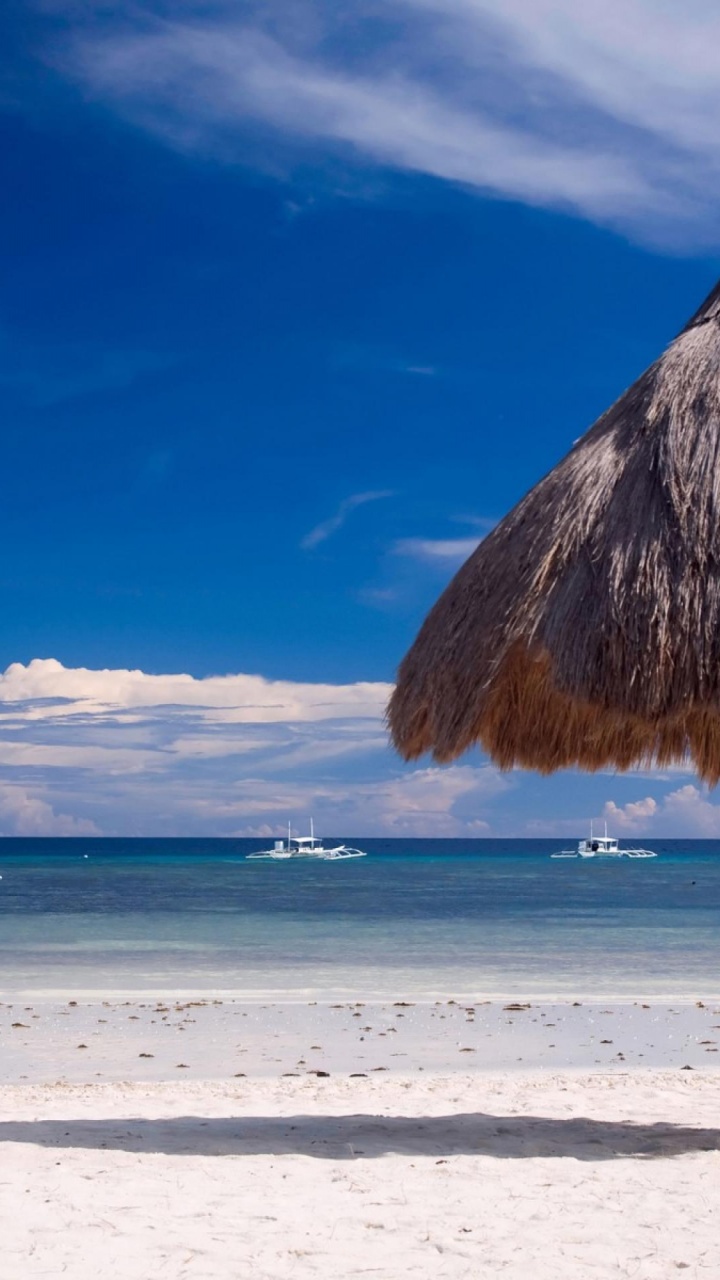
column 81, row 1040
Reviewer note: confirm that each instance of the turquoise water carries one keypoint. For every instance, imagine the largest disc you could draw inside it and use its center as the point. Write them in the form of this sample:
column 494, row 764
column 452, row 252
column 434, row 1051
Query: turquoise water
column 419, row 917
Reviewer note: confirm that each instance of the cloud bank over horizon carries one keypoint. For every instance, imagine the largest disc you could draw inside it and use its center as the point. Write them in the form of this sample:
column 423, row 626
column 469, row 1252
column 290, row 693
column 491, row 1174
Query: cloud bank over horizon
column 86, row 752
column 116, row 752
column 604, row 110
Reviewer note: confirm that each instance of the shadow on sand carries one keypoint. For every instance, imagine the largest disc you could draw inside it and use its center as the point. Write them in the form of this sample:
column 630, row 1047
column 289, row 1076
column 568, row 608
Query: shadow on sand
column 368, row 1136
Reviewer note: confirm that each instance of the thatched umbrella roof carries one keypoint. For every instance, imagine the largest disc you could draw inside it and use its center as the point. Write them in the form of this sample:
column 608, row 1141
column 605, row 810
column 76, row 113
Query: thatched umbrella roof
column 585, row 629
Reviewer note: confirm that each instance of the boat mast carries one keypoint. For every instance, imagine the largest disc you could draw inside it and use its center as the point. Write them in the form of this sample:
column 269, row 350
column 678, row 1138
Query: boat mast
column 312, row 832
column 288, row 835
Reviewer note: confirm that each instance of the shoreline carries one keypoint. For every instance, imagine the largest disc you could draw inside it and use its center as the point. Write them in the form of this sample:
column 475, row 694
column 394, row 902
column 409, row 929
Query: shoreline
column 311, row 995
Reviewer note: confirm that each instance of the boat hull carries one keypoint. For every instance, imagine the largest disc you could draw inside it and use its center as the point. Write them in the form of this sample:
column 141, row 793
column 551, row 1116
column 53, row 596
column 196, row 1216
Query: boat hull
column 339, row 854
column 617, row 853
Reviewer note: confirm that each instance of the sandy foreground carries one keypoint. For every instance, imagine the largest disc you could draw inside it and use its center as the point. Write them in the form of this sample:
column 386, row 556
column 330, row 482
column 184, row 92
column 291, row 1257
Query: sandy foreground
column 543, row 1141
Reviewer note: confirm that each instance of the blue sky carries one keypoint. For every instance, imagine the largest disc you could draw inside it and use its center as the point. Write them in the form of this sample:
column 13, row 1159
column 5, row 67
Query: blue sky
column 295, row 302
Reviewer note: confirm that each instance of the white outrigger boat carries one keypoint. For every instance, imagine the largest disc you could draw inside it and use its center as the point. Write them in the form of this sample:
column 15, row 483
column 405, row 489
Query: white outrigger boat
column 602, row 847
column 306, row 847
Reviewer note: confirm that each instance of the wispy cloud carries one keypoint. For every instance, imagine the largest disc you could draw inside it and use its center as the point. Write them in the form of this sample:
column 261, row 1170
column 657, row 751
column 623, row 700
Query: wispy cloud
column 328, row 527
column 374, row 358
column 607, row 108
column 410, row 566
column 445, row 551
column 483, row 523
column 423, row 802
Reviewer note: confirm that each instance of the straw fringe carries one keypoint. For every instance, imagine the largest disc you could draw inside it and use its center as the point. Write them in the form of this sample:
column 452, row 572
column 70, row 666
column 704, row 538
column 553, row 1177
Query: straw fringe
column 585, row 630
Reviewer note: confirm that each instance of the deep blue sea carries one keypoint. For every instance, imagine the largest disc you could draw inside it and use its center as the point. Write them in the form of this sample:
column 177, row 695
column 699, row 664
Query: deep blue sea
column 420, row 917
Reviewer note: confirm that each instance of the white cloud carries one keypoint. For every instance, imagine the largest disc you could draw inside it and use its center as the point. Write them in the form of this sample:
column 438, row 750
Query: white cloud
column 53, row 690
column 130, row 753
column 22, row 814
column 323, row 531
column 686, row 811
column 607, row 109
column 634, row 816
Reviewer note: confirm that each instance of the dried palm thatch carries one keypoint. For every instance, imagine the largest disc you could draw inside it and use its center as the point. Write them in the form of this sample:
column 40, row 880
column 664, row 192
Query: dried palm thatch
column 585, row 630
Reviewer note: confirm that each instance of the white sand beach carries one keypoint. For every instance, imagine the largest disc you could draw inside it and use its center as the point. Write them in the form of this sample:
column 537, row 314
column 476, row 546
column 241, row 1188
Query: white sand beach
column 433, row 1163
column 559, row 1176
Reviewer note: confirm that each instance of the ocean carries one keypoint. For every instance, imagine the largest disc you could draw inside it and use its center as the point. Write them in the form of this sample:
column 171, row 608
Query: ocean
column 425, row 918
